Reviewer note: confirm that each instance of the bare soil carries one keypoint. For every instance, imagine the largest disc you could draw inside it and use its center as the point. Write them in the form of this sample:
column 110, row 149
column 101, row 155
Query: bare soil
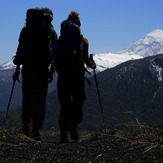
column 101, row 147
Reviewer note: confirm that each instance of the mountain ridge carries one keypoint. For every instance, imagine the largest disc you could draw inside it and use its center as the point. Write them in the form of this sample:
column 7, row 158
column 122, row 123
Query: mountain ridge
column 131, row 91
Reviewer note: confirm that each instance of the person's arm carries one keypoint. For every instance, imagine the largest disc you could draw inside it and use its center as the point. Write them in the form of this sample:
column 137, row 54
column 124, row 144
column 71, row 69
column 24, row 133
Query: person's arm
column 87, row 59
column 53, row 41
column 18, row 58
column 16, row 74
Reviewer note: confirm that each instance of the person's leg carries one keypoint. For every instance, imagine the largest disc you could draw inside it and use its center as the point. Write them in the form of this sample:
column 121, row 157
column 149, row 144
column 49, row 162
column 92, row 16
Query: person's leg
column 64, row 96
column 26, row 103
column 40, row 83
column 78, row 96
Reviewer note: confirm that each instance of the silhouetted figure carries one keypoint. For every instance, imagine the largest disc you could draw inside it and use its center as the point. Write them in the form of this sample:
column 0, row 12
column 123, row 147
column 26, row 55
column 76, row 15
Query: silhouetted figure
column 35, row 54
column 71, row 53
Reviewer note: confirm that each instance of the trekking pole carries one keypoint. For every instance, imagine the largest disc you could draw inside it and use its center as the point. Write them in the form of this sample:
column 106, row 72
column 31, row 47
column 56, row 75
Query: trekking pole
column 9, row 100
column 98, row 92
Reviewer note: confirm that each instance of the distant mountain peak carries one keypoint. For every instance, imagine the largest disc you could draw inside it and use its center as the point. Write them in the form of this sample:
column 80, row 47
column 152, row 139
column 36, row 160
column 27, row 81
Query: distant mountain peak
column 151, row 44
column 157, row 33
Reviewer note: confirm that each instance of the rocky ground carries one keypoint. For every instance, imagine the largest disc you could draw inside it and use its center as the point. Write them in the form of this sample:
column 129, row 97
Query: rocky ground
column 134, row 146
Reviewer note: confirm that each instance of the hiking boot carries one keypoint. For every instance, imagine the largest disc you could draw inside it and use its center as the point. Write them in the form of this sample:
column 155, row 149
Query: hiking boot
column 25, row 129
column 63, row 137
column 73, row 132
column 35, row 135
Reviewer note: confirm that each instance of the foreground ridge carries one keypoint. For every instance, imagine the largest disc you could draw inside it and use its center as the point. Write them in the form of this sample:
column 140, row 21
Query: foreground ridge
column 134, row 145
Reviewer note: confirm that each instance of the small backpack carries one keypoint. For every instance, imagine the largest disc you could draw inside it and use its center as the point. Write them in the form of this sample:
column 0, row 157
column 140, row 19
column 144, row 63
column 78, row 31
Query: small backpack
column 38, row 52
column 70, row 49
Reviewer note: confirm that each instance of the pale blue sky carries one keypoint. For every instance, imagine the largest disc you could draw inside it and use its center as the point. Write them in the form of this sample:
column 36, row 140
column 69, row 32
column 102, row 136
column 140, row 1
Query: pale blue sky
column 110, row 25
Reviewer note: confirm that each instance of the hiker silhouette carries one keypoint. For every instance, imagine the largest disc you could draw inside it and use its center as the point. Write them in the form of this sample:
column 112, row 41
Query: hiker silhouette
column 71, row 53
column 35, row 54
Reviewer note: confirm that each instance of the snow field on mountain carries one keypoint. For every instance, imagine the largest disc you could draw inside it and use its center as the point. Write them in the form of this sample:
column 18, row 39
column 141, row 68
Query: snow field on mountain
column 109, row 60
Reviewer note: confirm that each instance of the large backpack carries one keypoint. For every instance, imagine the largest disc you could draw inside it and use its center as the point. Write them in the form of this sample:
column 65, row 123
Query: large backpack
column 38, row 51
column 70, row 49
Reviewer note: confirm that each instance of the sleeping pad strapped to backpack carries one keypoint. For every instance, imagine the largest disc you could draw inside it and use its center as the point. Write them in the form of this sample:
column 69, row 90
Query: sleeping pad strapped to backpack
column 38, row 52
column 70, row 49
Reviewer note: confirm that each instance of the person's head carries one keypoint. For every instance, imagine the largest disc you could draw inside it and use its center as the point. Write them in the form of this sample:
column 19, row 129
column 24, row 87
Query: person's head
column 74, row 16
column 48, row 15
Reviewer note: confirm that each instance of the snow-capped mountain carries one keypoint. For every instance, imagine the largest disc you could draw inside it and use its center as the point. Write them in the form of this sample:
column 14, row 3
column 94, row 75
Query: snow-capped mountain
column 151, row 44
column 103, row 61
column 109, row 60
column 7, row 65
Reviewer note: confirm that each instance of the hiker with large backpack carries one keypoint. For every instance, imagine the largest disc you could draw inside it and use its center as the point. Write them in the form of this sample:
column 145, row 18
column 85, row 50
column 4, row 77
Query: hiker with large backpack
column 71, row 54
column 35, row 54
